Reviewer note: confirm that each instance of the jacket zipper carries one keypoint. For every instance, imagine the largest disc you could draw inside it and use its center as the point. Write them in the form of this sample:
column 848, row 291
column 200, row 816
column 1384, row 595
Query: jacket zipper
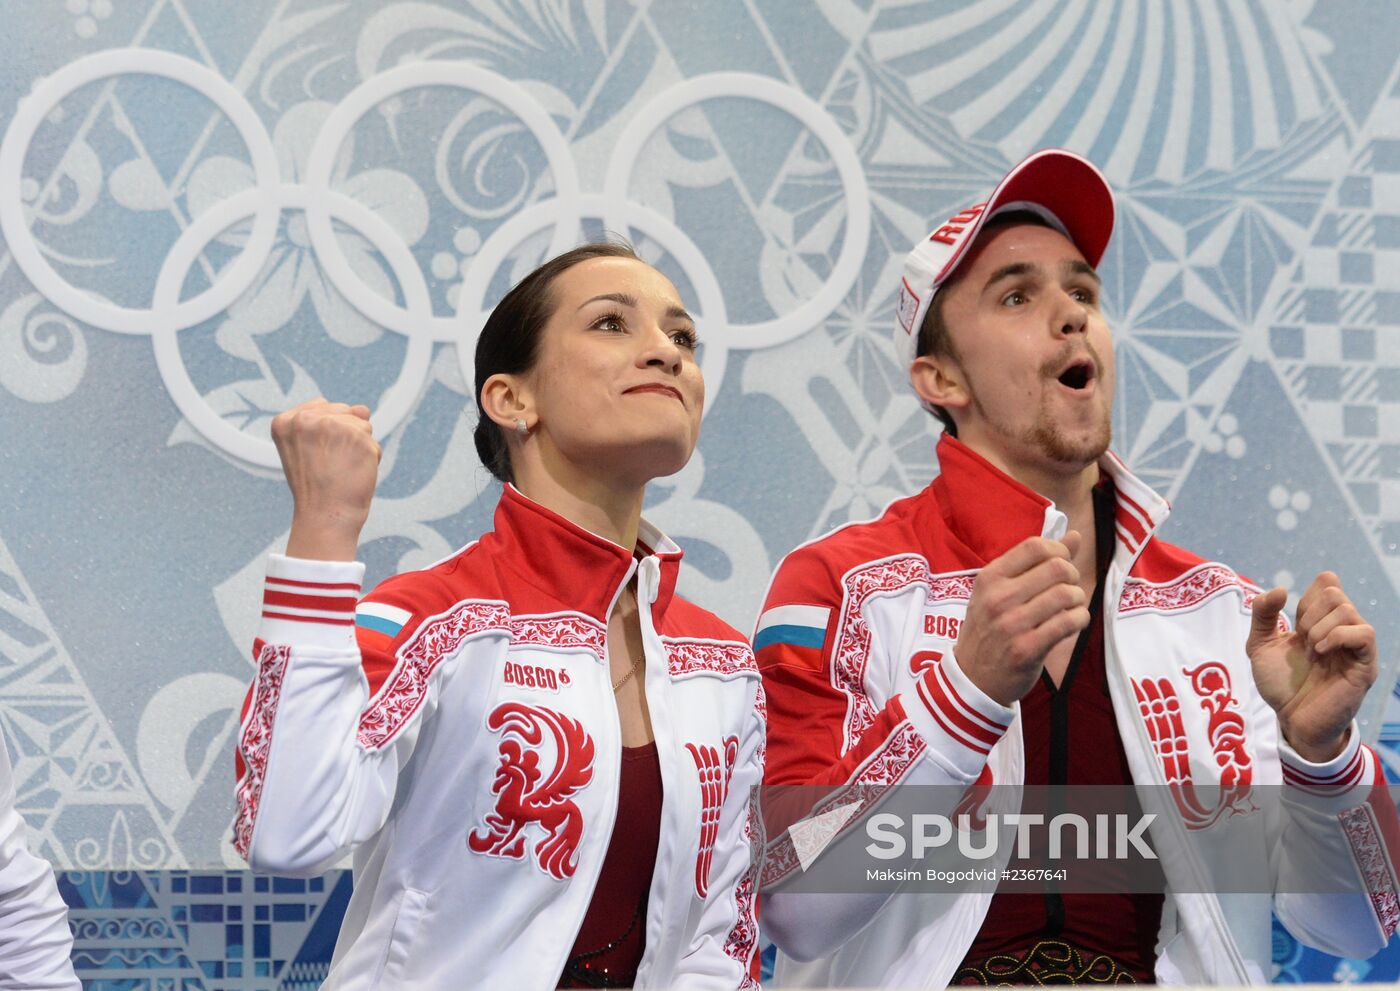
column 609, row 704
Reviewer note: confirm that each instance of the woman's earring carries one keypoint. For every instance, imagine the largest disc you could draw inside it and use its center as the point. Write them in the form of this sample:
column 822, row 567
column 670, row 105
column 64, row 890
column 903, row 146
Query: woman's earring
column 521, row 427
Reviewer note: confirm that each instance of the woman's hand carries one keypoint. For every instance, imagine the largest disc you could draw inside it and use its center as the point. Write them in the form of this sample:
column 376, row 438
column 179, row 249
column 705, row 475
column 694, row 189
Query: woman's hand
column 331, row 461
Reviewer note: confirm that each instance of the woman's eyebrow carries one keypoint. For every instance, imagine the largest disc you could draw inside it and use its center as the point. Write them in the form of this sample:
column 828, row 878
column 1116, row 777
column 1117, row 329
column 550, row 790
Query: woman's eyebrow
column 621, row 298
column 626, row 299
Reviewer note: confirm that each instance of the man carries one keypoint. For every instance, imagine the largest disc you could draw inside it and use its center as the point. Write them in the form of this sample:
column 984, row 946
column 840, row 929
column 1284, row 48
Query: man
column 1018, row 622
column 35, row 944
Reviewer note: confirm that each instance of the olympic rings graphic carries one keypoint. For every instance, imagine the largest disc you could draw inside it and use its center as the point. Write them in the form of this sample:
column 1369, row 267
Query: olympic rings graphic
column 748, row 86
column 562, row 213
column 396, row 402
column 387, row 84
column 139, row 61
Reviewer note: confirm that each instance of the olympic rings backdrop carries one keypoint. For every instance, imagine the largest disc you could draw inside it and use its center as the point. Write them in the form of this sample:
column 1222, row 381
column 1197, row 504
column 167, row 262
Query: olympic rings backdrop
column 212, row 212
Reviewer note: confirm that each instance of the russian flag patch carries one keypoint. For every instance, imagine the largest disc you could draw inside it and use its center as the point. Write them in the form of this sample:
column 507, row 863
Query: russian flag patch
column 377, row 624
column 796, row 633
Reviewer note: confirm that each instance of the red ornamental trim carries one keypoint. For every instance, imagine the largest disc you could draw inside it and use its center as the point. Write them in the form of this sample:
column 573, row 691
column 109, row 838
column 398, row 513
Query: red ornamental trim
column 1186, row 592
column 708, row 657
column 528, row 791
column 1161, row 713
column 739, row 945
column 1369, row 850
column 401, row 695
column 570, row 631
column 884, row 769
column 853, row 643
column 256, row 740
column 403, row 692
column 742, row 942
column 714, row 773
column 946, row 587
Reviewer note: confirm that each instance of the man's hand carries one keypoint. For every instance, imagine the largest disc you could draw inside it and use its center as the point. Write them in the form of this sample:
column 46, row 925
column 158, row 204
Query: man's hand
column 1316, row 676
column 331, row 461
column 1023, row 604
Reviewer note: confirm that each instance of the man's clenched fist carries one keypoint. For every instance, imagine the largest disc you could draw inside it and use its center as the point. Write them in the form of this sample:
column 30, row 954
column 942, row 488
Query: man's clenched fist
column 331, row 461
column 1023, row 604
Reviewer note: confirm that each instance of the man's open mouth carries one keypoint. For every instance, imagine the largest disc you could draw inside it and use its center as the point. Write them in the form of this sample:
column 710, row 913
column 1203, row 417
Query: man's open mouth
column 1078, row 375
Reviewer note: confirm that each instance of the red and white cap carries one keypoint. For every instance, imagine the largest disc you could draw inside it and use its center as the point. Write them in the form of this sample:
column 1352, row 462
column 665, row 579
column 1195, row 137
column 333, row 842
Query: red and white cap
column 1065, row 189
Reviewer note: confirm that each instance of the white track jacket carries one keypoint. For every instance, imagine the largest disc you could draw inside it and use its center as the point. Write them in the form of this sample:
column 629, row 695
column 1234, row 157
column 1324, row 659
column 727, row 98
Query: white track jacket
column 456, row 731
column 35, row 943
column 864, row 689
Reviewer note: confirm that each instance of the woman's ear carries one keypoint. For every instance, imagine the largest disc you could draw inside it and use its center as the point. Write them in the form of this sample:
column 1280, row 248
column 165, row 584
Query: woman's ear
column 506, row 400
column 940, row 381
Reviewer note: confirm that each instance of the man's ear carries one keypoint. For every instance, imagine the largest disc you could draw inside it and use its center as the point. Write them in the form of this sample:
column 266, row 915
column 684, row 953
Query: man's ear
column 506, row 399
column 939, row 380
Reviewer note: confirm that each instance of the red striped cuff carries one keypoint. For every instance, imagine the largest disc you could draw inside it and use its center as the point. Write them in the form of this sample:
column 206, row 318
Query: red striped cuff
column 310, row 602
column 1346, row 778
column 957, row 719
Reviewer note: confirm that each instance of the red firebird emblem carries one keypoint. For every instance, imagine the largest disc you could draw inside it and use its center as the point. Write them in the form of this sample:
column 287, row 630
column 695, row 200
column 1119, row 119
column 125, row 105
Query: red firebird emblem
column 525, row 794
column 714, row 786
column 1161, row 711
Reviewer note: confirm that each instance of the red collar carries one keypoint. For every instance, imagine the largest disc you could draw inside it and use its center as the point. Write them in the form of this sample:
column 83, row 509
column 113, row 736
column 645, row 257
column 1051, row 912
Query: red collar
column 991, row 512
column 574, row 566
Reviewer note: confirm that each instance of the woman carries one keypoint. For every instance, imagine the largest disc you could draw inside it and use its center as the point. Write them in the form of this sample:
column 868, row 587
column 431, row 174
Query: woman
column 540, row 756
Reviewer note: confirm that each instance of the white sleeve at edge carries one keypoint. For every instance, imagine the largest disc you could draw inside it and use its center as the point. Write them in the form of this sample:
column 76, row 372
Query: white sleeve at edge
column 309, row 792
column 36, row 945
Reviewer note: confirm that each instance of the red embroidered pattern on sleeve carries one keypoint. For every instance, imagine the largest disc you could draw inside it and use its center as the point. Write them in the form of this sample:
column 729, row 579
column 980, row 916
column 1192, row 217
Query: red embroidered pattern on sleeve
column 885, row 768
column 1367, row 847
column 256, row 741
column 853, row 637
column 1186, row 592
column 742, row 942
column 407, row 685
column 403, row 691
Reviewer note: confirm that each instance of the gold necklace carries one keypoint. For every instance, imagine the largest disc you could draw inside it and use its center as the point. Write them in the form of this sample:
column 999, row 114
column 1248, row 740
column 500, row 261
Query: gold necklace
column 626, row 677
column 636, row 660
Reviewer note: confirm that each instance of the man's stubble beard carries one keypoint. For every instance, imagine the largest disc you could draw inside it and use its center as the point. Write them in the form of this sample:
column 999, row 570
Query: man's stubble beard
column 1049, row 438
column 1046, row 436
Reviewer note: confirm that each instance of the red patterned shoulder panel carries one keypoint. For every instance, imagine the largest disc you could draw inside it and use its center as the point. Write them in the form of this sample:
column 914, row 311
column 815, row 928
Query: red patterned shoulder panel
column 853, row 635
column 721, row 657
column 402, row 693
column 1186, row 592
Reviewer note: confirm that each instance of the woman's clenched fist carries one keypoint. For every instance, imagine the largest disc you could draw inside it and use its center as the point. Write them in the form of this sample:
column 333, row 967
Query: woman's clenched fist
column 331, row 461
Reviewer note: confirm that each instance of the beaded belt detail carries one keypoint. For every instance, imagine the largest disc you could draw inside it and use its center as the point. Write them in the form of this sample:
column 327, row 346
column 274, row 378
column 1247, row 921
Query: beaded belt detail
column 1048, row 961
